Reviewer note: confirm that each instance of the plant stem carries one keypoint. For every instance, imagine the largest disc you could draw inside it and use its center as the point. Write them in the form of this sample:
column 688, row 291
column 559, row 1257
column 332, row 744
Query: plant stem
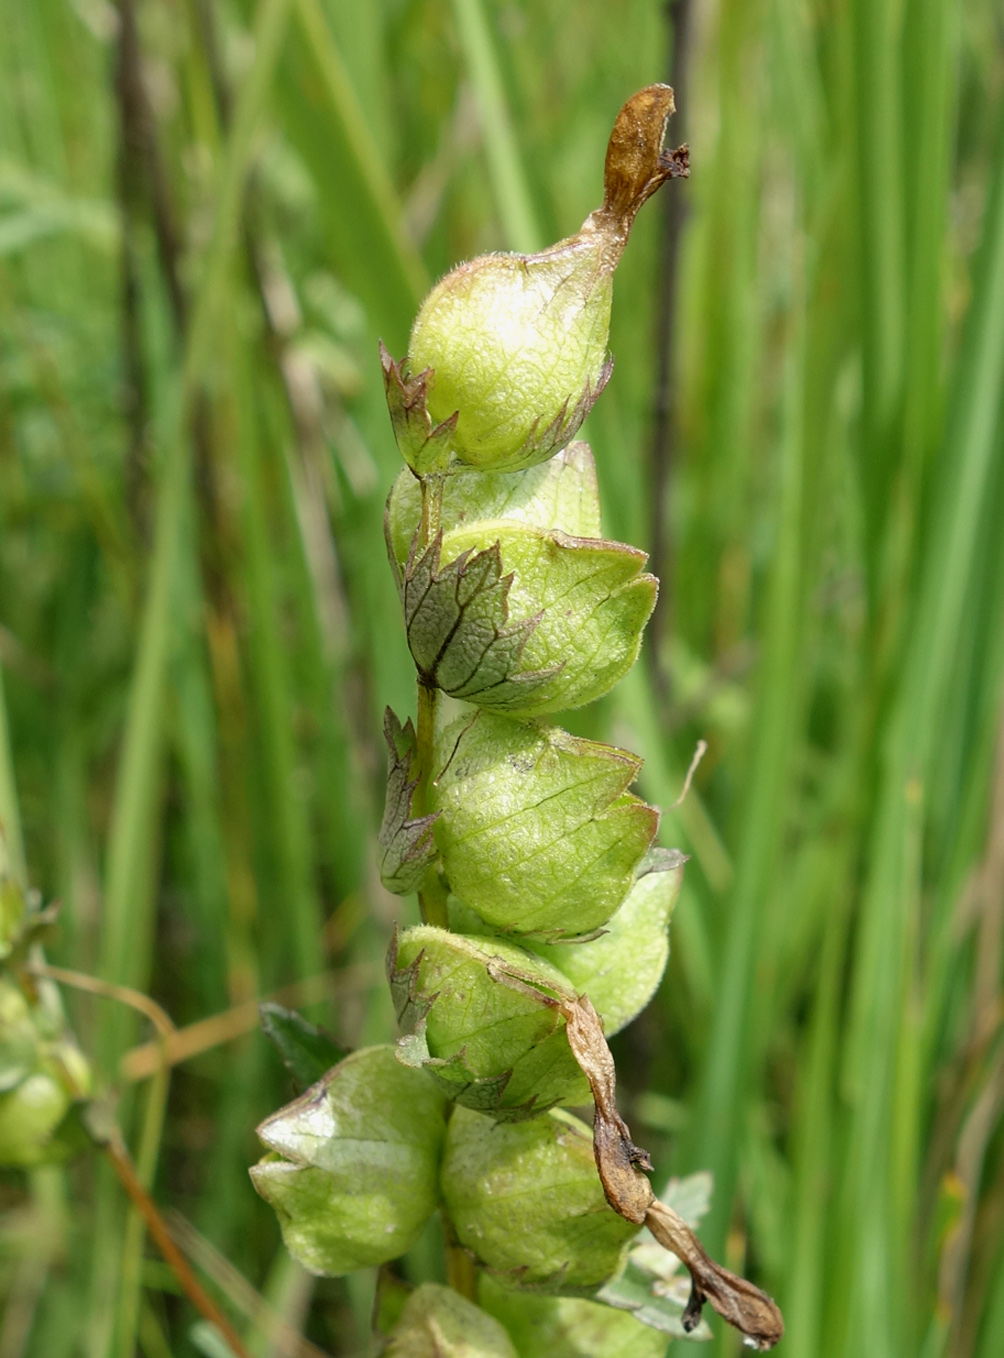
column 432, row 508
column 10, row 815
column 119, row 1157
column 432, row 893
column 432, row 898
column 461, row 1273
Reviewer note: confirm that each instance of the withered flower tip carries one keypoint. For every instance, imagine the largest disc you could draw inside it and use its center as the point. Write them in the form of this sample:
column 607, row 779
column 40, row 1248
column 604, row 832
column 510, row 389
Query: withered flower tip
column 514, row 347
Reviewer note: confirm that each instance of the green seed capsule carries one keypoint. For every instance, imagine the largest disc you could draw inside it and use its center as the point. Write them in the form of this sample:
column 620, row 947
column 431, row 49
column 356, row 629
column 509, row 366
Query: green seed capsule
column 29, row 1115
column 18, row 1037
column 621, row 970
column 439, row 1323
column 489, row 1045
column 353, row 1170
column 568, row 1327
column 42, row 1071
column 517, row 343
column 518, row 347
column 573, row 836
column 525, row 1198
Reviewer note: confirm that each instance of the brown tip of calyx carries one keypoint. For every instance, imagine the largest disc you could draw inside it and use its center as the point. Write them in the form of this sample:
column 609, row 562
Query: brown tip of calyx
column 636, row 163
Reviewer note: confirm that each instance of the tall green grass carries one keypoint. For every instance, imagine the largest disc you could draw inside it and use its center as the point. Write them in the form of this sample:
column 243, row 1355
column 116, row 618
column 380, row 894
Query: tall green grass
column 198, row 631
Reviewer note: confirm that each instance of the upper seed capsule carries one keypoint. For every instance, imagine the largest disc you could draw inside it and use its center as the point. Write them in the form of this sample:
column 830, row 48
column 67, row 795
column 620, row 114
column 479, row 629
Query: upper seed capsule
column 517, row 343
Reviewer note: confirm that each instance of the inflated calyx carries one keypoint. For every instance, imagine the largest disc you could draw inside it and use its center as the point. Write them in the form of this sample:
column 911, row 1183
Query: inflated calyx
column 354, row 1161
column 517, row 344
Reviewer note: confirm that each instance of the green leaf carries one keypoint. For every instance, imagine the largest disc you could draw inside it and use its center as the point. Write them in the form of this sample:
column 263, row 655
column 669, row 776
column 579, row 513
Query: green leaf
column 438, row 1322
column 209, row 1341
column 658, row 1304
column 496, row 1047
column 559, row 495
column 567, row 1327
column 12, row 907
column 537, row 832
column 407, row 847
column 620, row 971
column 654, row 1287
column 526, row 1199
column 353, row 1170
column 690, row 1197
column 457, row 623
column 307, row 1052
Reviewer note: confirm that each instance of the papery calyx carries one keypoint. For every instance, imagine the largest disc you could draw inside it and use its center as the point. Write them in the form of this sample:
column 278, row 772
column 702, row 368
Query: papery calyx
column 509, row 350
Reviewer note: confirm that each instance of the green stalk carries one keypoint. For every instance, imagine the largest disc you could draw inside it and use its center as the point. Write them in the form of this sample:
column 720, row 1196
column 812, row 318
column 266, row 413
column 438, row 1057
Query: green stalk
column 398, row 248
column 129, row 871
column 879, row 170
column 288, row 816
column 10, row 814
column 131, row 862
column 991, row 1340
column 718, row 1125
column 130, row 1296
column 432, row 897
column 806, row 1292
column 872, row 1074
column 461, row 1273
column 513, row 201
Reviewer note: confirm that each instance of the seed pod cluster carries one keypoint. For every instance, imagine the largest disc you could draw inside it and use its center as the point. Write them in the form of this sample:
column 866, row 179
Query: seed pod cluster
column 43, row 1073
column 545, row 906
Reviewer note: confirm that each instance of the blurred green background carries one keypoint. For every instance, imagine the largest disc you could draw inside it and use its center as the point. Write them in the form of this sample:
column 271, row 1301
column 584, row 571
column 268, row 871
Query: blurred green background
column 210, row 210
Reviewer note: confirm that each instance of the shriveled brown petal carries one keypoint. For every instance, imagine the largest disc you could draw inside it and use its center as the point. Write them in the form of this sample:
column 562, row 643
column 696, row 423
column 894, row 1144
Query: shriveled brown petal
column 735, row 1299
column 636, row 163
column 620, row 1163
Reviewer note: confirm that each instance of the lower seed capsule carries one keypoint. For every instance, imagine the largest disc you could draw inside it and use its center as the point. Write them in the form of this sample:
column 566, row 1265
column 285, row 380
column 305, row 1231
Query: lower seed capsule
column 439, row 1323
column 568, row 1327
column 353, row 1170
column 478, row 1016
column 526, row 1200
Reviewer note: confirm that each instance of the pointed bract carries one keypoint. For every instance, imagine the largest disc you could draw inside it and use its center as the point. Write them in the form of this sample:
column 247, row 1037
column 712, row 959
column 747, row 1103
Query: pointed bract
column 457, row 624
column 425, row 447
column 583, row 603
column 406, row 844
column 557, row 612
